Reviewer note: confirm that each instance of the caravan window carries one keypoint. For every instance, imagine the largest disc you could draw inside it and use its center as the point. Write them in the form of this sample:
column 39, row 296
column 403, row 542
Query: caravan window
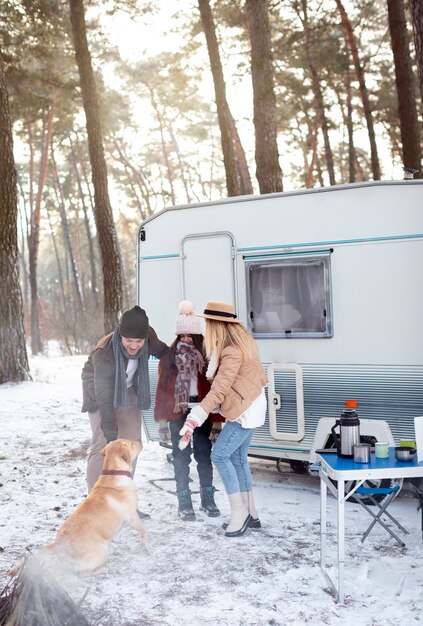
column 290, row 297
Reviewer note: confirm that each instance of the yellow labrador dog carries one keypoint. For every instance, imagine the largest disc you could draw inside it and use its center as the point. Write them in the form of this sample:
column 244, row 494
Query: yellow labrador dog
column 82, row 542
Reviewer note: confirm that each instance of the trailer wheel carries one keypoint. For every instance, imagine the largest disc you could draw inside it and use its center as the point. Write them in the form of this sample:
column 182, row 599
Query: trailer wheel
column 299, row 467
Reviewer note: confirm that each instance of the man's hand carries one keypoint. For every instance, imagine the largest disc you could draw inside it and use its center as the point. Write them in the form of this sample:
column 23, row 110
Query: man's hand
column 215, row 431
column 164, row 431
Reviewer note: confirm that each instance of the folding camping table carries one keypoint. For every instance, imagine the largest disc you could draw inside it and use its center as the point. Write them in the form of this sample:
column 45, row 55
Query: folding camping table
column 341, row 470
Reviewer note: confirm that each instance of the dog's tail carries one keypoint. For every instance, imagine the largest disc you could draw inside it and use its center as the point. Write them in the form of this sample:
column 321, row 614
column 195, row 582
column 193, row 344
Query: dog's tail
column 39, row 559
column 15, row 569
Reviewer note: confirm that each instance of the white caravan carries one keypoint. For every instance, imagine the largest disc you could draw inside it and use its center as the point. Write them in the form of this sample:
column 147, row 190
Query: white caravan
column 329, row 283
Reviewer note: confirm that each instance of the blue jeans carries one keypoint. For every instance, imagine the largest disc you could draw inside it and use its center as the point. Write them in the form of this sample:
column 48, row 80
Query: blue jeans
column 229, row 454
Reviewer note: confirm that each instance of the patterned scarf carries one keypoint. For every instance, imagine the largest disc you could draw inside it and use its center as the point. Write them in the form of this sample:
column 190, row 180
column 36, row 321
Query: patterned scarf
column 190, row 363
column 121, row 390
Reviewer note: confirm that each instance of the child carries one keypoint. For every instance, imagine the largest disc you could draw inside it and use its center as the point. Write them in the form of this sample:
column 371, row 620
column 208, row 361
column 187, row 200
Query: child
column 181, row 385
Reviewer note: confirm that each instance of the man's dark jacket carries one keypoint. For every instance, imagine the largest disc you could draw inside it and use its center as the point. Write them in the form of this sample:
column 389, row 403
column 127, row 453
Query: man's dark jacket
column 98, row 380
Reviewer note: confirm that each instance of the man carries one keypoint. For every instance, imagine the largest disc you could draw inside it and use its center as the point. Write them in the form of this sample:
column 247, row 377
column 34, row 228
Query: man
column 116, row 385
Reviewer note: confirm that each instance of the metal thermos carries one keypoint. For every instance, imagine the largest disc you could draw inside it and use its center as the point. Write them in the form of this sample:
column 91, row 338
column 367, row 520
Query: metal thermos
column 349, row 430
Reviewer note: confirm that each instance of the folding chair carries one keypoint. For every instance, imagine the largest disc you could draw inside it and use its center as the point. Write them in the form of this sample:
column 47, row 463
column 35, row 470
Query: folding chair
column 368, row 493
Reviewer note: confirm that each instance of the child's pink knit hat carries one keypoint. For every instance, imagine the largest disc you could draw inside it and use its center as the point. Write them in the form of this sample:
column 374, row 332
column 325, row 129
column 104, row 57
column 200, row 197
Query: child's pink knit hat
column 186, row 322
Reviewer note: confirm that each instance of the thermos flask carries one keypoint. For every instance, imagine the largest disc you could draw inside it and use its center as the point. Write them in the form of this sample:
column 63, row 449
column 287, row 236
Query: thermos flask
column 349, row 430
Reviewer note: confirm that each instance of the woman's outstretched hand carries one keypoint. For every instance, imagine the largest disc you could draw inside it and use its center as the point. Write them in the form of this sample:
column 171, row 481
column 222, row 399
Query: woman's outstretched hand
column 195, row 418
column 186, row 432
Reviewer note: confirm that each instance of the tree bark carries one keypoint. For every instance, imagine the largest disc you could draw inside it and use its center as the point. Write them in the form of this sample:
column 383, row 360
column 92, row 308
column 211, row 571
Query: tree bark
column 416, row 11
column 60, row 295
column 34, row 234
column 318, row 97
column 136, row 175
column 407, row 111
column 91, row 255
column 223, row 113
column 350, row 128
column 268, row 171
column 14, row 365
column 309, row 170
column 367, row 109
column 80, row 304
column 112, row 277
column 162, row 126
column 246, row 186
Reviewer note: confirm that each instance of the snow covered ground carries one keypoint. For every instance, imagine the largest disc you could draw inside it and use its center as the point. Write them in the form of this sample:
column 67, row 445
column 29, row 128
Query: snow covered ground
column 194, row 575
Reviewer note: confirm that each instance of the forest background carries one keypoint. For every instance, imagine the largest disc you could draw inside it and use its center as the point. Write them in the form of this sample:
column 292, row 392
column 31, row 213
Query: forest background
column 110, row 111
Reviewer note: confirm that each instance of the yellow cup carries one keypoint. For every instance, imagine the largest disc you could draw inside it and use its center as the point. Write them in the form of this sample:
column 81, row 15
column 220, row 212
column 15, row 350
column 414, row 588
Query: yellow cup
column 381, row 449
column 408, row 443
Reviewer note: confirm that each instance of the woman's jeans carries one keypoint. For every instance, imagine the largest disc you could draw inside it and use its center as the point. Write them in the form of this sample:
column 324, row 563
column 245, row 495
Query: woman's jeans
column 229, row 455
column 182, row 458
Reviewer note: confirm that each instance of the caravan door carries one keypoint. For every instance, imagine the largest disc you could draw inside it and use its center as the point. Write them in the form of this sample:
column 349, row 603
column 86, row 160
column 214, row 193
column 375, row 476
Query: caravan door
column 286, row 401
column 208, row 268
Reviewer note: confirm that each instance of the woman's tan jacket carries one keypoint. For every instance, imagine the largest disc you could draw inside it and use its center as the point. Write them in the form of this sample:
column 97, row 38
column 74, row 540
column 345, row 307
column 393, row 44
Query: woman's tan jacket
column 235, row 385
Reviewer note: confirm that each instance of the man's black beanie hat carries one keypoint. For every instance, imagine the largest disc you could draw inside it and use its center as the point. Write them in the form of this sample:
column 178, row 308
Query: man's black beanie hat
column 134, row 324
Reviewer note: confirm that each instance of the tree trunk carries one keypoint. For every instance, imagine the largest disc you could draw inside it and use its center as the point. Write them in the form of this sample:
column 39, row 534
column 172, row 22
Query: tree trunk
column 352, row 44
column 416, row 10
column 407, row 111
column 134, row 174
column 318, row 97
column 34, row 235
column 246, row 186
column 60, row 316
column 350, row 128
column 91, row 255
column 80, row 305
column 268, row 171
column 309, row 170
column 223, row 113
column 112, row 278
column 14, row 365
column 182, row 176
column 23, row 229
column 162, row 126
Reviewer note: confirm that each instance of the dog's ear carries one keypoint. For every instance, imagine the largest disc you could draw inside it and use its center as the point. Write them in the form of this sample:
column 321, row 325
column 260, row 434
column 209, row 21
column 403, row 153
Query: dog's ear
column 125, row 453
column 103, row 451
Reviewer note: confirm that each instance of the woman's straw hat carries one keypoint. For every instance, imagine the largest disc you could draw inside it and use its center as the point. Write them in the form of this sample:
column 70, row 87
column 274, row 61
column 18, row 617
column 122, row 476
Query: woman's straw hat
column 219, row 311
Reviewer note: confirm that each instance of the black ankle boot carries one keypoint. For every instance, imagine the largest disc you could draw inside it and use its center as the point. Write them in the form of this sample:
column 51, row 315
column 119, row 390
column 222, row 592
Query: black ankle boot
column 207, row 501
column 254, row 524
column 185, row 510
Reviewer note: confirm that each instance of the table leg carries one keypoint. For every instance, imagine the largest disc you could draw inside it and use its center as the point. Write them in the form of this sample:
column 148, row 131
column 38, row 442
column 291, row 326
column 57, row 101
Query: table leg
column 323, row 522
column 341, row 538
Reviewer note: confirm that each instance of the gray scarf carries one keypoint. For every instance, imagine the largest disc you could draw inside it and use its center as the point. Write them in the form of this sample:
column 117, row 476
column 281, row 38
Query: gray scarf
column 121, row 390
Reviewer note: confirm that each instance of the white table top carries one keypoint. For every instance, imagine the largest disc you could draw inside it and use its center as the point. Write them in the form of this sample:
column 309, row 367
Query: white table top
column 337, row 467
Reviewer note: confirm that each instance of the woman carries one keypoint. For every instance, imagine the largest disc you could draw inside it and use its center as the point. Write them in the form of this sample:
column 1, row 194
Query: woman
column 238, row 381
column 181, row 384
